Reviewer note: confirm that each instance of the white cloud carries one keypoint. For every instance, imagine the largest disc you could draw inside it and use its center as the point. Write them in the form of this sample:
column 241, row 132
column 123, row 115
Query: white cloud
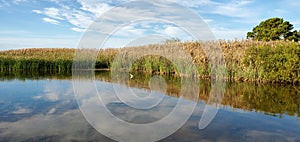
column 78, row 29
column 173, row 31
column 130, row 30
column 37, row 11
column 208, row 20
column 53, row 13
column 95, row 7
column 82, row 16
column 51, row 21
column 78, row 18
column 234, row 9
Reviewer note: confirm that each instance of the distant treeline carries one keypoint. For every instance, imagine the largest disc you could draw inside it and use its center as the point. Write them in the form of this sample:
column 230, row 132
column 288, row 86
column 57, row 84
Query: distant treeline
column 247, row 60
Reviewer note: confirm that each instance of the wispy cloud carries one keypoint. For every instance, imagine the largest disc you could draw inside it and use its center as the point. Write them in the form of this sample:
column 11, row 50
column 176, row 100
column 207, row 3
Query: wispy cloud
column 53, row 13
column 18, row 1
column 233, row 9
column 50, row 12
column 97, row 8
column 9, row 3
column 51, row 21
column 37, row 11
column 80, row 19
column 228, row 19
column 78, row 29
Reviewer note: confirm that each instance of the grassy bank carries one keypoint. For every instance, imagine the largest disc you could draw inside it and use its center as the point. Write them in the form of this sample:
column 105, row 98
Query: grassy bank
column 276, row 61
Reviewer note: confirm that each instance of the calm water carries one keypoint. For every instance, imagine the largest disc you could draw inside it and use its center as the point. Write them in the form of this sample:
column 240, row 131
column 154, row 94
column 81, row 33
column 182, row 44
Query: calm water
column 44, row 108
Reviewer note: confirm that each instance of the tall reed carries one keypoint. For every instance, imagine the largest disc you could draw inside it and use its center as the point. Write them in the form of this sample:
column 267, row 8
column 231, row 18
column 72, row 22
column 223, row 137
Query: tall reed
column 246, row 60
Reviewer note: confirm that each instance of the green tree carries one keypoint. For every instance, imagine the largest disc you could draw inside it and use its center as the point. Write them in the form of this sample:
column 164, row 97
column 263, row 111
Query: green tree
column 273, row 29
column 294, row 36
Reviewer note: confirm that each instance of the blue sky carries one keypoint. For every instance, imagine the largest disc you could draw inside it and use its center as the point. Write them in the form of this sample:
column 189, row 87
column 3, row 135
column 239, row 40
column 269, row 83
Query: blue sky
column 55, row 23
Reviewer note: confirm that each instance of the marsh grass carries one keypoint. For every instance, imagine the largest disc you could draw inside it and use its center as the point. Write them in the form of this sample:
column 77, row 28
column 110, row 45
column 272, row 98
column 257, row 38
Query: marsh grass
column 246, row 60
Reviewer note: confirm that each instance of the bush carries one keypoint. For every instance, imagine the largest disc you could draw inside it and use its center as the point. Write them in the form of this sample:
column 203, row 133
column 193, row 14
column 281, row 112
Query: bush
column 274, row 64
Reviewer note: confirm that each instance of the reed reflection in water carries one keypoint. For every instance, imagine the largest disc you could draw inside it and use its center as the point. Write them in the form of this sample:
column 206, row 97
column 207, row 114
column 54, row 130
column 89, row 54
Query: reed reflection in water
column 42, row 107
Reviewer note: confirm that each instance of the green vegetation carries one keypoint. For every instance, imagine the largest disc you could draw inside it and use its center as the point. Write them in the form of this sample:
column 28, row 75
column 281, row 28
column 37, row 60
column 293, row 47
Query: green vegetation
column 254, row 61
column 32, row 60
column 274, row 29
column 47, row 60
column 154, row 65
column 279, row 63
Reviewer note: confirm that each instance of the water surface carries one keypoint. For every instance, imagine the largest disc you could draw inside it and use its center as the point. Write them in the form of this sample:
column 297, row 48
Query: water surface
column 44, row 108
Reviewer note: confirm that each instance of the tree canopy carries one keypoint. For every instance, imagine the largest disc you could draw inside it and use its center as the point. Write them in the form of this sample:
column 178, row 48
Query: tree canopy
column 274, row 29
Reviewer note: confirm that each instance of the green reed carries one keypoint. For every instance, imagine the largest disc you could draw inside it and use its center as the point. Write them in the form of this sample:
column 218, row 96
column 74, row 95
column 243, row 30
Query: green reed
column 246, row 60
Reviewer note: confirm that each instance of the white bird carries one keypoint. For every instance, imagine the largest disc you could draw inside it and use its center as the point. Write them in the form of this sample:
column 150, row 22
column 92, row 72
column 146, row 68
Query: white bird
column 131, row 76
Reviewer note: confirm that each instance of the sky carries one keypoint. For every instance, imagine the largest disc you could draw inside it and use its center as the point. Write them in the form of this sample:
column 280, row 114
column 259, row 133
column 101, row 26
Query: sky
column 62, row 23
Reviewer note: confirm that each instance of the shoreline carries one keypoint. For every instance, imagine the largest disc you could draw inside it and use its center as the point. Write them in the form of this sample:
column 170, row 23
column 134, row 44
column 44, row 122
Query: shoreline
column 69, row 73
